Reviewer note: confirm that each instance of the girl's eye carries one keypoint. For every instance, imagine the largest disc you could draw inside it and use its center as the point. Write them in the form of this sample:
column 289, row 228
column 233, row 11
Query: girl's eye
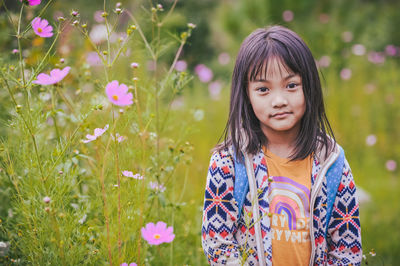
column 292, row 85
column 263, row 89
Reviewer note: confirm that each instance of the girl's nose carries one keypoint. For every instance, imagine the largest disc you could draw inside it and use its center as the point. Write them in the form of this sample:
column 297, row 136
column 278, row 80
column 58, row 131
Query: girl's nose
column 279, row 100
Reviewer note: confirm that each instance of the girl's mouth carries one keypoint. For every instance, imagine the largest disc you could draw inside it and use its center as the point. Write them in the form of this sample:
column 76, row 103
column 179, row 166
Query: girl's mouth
column 280, row 115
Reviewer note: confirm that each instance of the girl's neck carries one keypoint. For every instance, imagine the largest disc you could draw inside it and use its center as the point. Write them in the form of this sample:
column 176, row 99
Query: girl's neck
column 281, row 144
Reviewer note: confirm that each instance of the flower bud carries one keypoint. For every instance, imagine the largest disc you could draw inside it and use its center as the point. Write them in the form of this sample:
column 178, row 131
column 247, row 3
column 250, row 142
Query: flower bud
column 105, row 53
column 47, row 209
column 84, row 26
column 60, row 172
column 134, row 65
column 18, row 108
column 118, row 4
column 46, row 199
column 15, row 51
column 75, row 13
column 191, row 25
column 153, row 10
column 160, row 7
column 133, row 27
column 75, row 23
column 104, row 14
column 62, row 60
column 61, row 19
column 118, row 10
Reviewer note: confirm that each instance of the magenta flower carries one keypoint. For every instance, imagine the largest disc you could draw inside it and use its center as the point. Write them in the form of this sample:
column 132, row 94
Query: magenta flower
column 158, row 234
column 118, row 94
column 42, row 28
column 56, row 75
column 97, row 133
column 204, row 73
column 34, row 2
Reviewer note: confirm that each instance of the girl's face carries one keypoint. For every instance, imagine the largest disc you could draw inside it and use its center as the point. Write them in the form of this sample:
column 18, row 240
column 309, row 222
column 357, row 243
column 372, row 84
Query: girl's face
column 277, row 99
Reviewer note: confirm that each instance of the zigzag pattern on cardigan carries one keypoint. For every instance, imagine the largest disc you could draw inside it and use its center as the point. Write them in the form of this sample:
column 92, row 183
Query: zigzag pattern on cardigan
column 224, row 238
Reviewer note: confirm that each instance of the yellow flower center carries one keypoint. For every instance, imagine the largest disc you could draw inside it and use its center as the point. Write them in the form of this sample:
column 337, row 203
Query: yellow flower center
column 115, row 97
column 39, row 30
column 156, row 236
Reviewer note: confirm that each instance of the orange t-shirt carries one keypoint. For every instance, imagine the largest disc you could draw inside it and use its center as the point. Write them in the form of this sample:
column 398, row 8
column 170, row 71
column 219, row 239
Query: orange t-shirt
column 289, row 203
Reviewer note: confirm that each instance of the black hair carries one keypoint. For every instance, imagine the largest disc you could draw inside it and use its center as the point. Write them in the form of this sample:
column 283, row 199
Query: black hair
column 243, row 129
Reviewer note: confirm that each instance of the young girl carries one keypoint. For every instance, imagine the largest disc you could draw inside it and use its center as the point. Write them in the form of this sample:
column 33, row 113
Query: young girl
column 278, row 129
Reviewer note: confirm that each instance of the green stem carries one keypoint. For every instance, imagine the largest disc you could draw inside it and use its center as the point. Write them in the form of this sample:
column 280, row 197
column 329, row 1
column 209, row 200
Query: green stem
column 29, row 130
column 36, row 71
column 153, row 56
column 119, row 187
column 54, row 115
column 67, row 102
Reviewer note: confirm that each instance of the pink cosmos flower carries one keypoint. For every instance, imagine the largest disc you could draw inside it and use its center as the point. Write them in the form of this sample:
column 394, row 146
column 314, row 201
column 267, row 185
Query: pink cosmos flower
column 158, row 234
column 119, row 138
column 180, row 65
column 97, row 133
column 371, row 140
column 42, row 28
column 214, row 88
column 345, row 73
column 390, row 50
column 56, row 75
column 224, row 58
column 157, row 187
column 376, row 57
column 34, row 2
column 118, row 94
column 287, row 15
column 130, row 174
column 391, row 165
column 204, row 73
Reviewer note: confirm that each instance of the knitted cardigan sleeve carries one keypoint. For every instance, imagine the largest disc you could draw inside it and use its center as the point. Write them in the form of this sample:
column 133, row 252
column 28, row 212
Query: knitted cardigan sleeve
column 344, row 232
column 220, row 213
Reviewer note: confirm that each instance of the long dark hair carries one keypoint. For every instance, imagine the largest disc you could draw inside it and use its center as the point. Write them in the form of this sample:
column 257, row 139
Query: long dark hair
column 243, row 128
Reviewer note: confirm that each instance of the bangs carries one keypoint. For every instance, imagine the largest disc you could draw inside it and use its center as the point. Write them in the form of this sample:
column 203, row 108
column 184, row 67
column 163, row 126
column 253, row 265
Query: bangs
column 262, row 58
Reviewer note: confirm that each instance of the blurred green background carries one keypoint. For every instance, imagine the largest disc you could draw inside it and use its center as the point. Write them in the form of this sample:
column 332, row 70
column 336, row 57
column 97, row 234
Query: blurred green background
column 356, row 46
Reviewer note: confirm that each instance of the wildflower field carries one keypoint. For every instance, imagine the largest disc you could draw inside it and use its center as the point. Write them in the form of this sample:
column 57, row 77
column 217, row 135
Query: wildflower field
column 109, row 111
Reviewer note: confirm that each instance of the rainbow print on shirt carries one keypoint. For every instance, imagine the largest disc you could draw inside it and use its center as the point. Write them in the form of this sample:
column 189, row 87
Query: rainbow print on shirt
column 291, row 200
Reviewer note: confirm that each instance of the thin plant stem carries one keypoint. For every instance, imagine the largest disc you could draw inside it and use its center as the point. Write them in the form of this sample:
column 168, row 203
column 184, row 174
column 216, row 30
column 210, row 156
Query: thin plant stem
column 29, row 130
column 54, row 115
column 19, row 47
column 43, row 60
column 119, row 188
column 67, row 102
column 105, row 209
column 153, row 56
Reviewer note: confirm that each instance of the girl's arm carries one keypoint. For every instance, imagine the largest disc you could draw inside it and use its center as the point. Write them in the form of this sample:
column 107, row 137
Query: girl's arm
column 220, row 213
column 344, row 232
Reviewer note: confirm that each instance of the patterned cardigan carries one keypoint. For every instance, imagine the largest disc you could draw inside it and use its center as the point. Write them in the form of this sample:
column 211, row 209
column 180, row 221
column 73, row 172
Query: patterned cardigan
column 227, row 240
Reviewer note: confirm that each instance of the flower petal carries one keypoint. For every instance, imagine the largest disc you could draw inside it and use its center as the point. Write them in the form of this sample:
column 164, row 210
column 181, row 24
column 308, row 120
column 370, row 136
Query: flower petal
column 43, row 79
column 161, row 226
column 127, row 173
column 43, row 23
